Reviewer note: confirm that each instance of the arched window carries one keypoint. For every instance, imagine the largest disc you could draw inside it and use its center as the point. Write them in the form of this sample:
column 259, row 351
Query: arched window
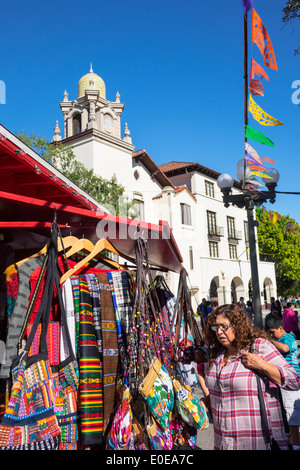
column 76, row 123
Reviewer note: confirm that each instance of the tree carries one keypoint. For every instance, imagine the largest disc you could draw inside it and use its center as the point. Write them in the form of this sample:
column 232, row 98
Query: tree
column 107, row 192
column 290, row 12
column 279, row 242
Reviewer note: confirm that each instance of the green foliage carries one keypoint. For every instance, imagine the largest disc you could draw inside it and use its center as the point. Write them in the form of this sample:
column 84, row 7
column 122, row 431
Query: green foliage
column 107, row 192
column 282, row 247
column 290, row 12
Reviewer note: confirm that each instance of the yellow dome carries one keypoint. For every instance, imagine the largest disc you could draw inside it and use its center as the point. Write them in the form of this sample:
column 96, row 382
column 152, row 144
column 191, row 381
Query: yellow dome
column 84, row 84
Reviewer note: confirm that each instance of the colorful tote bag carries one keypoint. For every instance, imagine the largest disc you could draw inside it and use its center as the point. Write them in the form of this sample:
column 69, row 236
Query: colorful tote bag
column 53, row 342
column 189, row 408
column 29, row 421
column 159, row 439
column 182, row 433
column 157, row 389
column 66, row 383
column 120, row 436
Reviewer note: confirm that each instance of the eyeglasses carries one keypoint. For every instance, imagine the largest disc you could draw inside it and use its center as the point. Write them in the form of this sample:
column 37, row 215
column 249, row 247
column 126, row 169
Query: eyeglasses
column 222, row 327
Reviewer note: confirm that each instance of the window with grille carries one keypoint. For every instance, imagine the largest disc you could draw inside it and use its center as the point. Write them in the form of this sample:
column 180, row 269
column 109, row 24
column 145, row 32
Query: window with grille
column 231, row 227
column 211, row 222
column 209, row 189
column 213, row 249
column 185, row 214
column 232, row 252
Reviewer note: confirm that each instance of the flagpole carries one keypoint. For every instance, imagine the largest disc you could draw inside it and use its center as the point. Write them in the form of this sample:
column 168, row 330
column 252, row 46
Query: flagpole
column 245, row 90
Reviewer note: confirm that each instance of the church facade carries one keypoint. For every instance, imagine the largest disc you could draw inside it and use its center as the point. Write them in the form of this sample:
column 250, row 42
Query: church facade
column 213, row 239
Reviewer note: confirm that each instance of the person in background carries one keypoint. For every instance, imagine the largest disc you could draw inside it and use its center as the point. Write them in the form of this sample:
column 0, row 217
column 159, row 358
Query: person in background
column 241, row 302
column 273, row 314
column 287, row 346
column 208, row 307
column 290, row 320
column 202, row 311
column 231, row 381
column 278, row 307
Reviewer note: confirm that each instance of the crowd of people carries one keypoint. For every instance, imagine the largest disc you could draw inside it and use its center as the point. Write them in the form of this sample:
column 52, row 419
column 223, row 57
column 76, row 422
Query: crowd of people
column 242, row 361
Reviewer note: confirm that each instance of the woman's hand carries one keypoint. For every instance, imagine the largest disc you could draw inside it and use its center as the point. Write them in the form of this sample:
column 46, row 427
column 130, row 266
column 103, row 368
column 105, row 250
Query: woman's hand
column 253, row 361
column 256, row 362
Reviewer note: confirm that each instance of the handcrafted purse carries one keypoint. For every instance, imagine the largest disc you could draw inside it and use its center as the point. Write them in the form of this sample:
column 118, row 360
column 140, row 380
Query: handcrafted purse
column 157, row 389
column 182, row 433
column 120, row 436
column 29, row 421
column 185, row 351
column 159, row 439
column 188, row 406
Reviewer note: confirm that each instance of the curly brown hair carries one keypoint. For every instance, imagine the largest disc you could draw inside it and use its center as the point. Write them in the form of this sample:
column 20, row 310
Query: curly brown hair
column 244, row 332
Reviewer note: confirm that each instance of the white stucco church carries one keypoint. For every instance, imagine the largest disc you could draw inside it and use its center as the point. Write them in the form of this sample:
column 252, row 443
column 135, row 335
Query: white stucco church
column 213, row 240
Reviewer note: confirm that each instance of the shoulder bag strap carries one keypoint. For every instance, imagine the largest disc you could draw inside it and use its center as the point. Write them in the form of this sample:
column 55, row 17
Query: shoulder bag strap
column 263, row 413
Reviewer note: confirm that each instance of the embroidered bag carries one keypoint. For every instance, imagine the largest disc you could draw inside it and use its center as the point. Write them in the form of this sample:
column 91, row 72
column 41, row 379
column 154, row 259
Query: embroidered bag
column 157, row 389
column 160, row 439
column 189, row 408
column 29, row 421
column 120, row 436
column 66, row 383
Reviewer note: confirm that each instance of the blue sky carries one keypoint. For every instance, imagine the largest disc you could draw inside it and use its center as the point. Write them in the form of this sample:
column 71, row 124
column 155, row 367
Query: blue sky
column 178, row 67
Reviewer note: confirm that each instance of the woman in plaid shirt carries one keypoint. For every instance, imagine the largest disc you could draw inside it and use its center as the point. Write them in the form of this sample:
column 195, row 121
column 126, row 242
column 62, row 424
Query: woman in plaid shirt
column 230, row 379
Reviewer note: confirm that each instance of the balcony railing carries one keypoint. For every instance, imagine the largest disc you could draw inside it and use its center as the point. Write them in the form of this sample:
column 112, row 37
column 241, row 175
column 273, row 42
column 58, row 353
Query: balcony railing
column 235, row 235
column 216, row 231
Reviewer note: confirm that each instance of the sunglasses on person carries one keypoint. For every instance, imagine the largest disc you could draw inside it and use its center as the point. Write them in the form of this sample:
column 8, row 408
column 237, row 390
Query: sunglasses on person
column 223, row 328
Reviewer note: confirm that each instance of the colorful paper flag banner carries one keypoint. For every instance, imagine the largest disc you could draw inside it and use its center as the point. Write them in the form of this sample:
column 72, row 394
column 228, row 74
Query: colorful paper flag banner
column 261, row 116
column 255, row 86
column 256, row 167
column 251, row 161
column 252, row 152
column 262, row 174
column 255, row 182
column 253, row 134
column 266, row 159
column 259, row 37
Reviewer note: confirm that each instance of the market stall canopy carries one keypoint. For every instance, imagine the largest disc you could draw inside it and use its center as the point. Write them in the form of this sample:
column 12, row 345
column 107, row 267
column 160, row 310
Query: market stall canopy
column 34, row 193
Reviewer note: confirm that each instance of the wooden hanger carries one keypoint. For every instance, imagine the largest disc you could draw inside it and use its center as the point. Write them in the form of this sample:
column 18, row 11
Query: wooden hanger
column 67, row 243
column 82, row 245
column 101, row 245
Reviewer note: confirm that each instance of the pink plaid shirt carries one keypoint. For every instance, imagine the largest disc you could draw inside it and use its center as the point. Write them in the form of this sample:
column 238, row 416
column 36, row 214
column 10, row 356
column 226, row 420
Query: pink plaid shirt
column 234, row 400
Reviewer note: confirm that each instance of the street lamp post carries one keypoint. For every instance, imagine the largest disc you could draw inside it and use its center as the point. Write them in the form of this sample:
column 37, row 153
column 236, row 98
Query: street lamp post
column 249, row 200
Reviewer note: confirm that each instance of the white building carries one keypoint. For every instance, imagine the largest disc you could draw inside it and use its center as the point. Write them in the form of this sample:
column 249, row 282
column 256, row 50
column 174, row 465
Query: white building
column 213, row 240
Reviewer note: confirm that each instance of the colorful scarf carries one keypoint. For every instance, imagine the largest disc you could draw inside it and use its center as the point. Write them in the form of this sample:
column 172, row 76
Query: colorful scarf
column 110, row 347
column 90, row 380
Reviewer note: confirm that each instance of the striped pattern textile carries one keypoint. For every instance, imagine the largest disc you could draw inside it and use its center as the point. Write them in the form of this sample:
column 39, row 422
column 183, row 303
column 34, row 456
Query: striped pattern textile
column 235, row 405
column 122, row 300
column 90, row 380
column 110, row 347
column 68, row 301
column 53, row 339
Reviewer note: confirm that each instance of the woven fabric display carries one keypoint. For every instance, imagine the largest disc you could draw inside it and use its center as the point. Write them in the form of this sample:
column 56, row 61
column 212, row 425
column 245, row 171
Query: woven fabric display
column 110, row 347
column 90, row 383
column 29, row 421
column 53, row 342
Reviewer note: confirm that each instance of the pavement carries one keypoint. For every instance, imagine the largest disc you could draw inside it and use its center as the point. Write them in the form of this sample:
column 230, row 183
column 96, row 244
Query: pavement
column 205, row 437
